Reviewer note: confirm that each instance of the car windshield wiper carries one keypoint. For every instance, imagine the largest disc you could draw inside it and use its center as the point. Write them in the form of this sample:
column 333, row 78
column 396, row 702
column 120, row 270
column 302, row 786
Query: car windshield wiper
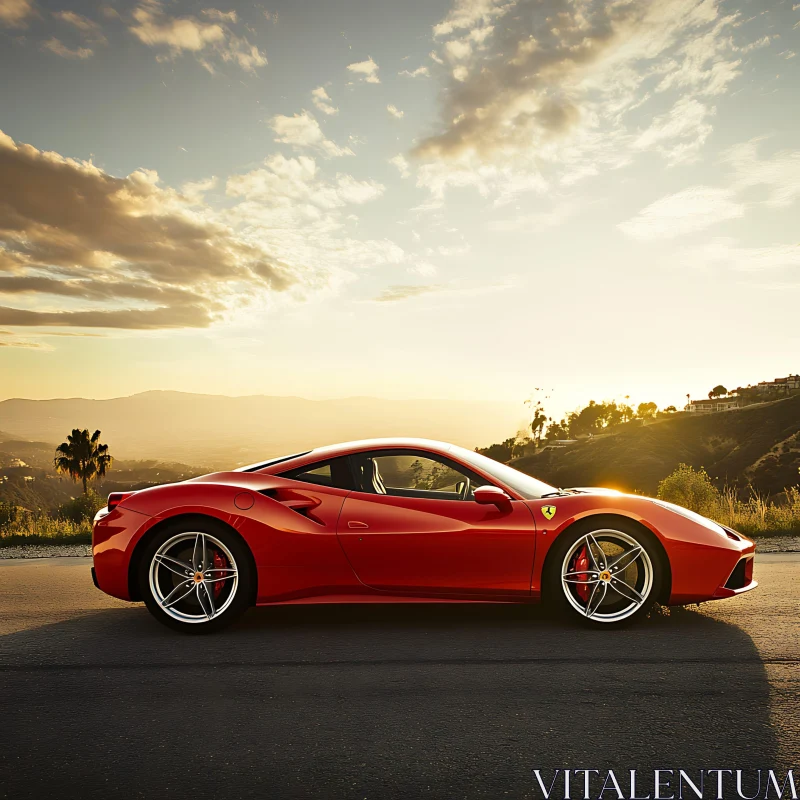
column 558, row 493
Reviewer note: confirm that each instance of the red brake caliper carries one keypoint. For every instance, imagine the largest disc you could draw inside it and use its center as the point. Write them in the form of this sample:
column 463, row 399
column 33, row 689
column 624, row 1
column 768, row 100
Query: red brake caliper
column 581, row 564
column 219, row 563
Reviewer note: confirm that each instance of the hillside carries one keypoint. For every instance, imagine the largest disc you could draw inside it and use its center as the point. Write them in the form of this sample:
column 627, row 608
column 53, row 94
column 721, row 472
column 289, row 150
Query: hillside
column 757, row 444
column 219, row 431
column 37, row 486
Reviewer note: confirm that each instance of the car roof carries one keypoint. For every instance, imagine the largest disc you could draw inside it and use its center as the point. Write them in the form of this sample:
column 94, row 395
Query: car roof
column 345, row 448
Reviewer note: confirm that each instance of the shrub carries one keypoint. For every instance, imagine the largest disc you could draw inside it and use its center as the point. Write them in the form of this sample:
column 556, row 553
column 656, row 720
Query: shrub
column 10, row 514
column 689, row 488
column 757, row 515
column 81, row 508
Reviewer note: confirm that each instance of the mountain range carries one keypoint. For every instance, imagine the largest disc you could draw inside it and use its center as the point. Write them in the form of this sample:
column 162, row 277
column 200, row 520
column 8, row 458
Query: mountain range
column 223, row 432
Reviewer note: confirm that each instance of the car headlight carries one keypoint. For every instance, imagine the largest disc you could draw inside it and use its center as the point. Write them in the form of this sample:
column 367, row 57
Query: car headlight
column 693, row 516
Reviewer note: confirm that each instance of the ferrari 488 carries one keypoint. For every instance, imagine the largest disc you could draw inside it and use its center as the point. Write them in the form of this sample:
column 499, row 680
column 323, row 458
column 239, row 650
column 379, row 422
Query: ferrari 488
column 405, row 520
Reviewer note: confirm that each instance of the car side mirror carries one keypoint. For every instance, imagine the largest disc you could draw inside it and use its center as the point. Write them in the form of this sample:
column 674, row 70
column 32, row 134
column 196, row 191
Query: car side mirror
column 491, row 496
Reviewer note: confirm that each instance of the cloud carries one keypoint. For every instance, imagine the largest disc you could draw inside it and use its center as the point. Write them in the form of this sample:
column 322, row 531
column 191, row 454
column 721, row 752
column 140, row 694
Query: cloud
column 62, row 333
column 419, row 72
column 88, row 28
column 401, row 163
column 687, row 211
column 470, row 13
column 424, row 268
column 779, row 174
column 679, row 134
column 368, row 68
column 21, row 343
column 188, row 34
column 455, row 250
column 60, row 49
column 504, row 180
column 194, row 191
column 403, row 292
column 118, row 252
column 699, row 207
column 294, row 182
column 393, row 294
column 458, row 49
column 308, row 218
column 219, row 16
column 726, row 253
column 302, row 130
column 80, row 248
column 562, row 86
column 395, row 111
column 14, row 13
column 538, row 221
column 322, row 101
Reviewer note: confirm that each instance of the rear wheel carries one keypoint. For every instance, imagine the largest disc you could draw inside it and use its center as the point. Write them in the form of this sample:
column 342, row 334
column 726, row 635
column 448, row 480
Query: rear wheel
column 604, row 575
column 196, row 577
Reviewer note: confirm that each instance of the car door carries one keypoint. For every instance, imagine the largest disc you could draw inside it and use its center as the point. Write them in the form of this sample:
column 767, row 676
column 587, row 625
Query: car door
column 410, row 527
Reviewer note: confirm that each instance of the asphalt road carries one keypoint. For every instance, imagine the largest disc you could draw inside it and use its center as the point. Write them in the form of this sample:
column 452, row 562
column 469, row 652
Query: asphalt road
column 98, row 700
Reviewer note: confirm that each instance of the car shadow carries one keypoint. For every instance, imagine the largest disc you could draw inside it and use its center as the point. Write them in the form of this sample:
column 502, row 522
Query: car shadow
column 373, row 700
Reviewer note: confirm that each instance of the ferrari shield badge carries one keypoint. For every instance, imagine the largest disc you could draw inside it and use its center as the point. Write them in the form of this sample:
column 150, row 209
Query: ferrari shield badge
column 549, row 511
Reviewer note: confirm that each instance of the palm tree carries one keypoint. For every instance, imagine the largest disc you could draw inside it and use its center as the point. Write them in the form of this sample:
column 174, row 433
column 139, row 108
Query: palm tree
column 537, row 424
column 82, row 457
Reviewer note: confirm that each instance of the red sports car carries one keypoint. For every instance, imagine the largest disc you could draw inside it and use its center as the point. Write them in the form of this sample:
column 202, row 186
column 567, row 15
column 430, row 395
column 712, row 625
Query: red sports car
column 405, row 520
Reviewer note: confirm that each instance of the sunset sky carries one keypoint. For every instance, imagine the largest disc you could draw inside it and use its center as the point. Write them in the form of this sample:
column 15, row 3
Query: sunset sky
column 428, row 199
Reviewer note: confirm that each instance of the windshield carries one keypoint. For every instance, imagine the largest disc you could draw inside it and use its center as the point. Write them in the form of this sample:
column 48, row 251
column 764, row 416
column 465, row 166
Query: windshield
column 522, row 484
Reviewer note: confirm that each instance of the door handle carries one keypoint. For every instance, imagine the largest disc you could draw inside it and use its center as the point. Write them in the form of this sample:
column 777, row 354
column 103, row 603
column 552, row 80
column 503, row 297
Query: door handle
column 354, row 523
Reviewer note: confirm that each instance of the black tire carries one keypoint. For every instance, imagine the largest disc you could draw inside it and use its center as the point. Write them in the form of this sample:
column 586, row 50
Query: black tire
column 191, row 615
column 616, row 609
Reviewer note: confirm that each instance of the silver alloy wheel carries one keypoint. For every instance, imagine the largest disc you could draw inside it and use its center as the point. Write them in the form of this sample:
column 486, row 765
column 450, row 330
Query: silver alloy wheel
column 607, row 576
column 193, row 577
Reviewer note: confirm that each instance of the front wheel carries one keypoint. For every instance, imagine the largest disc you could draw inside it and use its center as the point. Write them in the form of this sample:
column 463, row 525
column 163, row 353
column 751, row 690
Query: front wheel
column 196, row 577
column 604, row 575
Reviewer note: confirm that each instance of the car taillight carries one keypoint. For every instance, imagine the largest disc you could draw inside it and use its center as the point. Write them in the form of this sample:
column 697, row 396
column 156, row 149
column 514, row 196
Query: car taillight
column 115, row 498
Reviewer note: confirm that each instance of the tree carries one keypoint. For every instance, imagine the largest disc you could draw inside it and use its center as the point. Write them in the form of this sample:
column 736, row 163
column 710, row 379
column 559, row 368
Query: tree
column 502, row 452
column 588, row 421
column 537, row 423
column 718, row 391
column 557, row 430
column 646, row 410
column 83, row 457
column 597, row 417
column 538, row 415
column 505, row 451
column 626, row 412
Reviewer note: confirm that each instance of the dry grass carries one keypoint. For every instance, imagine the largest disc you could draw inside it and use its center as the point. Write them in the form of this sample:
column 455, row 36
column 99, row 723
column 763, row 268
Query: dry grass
column 757, row 516
column 42, row 529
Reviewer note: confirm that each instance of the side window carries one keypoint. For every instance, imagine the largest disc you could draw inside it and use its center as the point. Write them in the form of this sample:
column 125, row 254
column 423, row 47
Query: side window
column 413, row 474
column 335, row 473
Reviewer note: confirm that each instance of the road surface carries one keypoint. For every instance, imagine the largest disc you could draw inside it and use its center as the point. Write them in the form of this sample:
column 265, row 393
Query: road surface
column 98, row 700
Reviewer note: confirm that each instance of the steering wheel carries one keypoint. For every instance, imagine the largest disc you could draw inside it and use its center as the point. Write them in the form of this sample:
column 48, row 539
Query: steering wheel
column 463, row 493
